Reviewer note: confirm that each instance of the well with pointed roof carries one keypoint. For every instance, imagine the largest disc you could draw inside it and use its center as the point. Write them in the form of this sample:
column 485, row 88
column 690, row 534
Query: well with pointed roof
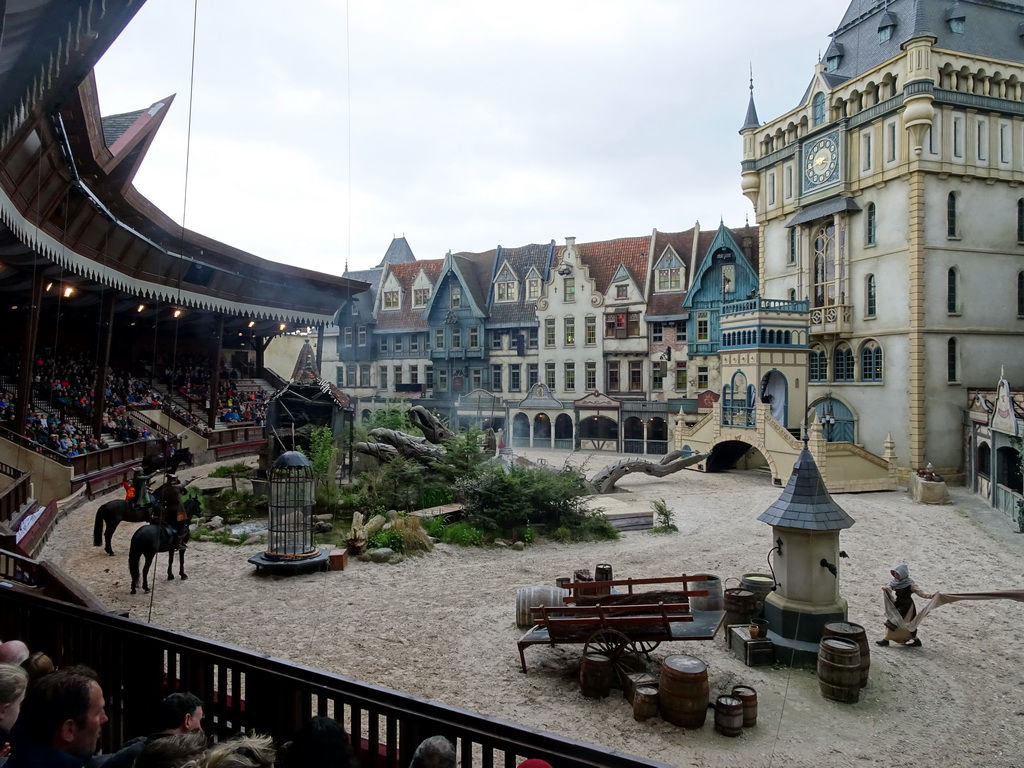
column 805, row 523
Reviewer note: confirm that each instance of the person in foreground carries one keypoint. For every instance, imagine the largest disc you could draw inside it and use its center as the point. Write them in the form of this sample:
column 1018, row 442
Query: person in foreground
column 180, row 712
column 435, row 752
column 60, row 721
column 900, row 592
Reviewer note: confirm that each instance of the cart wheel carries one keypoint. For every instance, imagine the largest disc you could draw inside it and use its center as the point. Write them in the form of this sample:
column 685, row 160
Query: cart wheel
column 617, row 647
column 644, row 647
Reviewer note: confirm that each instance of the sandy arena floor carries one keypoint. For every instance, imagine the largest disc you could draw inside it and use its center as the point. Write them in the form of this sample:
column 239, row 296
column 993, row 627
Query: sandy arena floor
column 443, row 626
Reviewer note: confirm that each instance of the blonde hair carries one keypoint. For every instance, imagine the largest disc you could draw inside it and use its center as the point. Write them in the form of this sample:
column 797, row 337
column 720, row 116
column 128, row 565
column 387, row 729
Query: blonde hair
column 255, row 751
column 13, row 682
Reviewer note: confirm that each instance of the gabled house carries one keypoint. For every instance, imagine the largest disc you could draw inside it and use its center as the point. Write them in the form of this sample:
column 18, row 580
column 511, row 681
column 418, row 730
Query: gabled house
column 403, row 331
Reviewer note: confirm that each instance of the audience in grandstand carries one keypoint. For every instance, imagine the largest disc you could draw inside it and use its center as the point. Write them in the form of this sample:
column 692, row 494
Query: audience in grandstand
column 60, row 721
column 435, row 752
column 177, row 713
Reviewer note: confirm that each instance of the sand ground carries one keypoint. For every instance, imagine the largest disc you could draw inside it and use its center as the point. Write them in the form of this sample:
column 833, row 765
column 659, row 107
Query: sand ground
column 443, row 626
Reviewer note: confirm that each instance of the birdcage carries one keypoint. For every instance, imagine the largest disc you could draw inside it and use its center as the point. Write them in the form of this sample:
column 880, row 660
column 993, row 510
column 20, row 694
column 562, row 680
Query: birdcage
column 290, row 524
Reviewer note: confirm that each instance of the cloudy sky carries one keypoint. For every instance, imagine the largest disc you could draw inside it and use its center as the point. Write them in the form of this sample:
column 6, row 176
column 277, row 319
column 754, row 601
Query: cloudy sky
column 320, row 129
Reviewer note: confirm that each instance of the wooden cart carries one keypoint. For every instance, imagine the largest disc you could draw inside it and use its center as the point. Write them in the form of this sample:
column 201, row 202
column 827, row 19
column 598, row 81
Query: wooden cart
column 622, row 625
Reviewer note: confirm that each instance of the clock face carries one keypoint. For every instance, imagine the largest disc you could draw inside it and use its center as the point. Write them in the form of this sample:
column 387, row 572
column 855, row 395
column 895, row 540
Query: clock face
column 821, row 161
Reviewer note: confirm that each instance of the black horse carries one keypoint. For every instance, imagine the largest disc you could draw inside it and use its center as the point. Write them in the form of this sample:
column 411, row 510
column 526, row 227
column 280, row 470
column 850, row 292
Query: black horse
column 149, row 540
column 158, row 462
column 113, row 512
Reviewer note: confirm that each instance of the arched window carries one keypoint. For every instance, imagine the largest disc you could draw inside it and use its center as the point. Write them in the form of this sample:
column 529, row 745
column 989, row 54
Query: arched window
column 1008, row 469
column 825, row 273
column 951, row 291
column 817, row 364
column 844, row 363
column 984, row 460
column 951, row 361
column 1020, row 294
column 1020, row 220
column 870, row 361
column 818, row 108
column 951, row 220
column 870, row 296
column 870, row 225
column 792, row 294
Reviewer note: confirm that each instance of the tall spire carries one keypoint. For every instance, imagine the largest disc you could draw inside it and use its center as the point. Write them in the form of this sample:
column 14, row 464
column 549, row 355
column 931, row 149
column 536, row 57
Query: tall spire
column 751, row 120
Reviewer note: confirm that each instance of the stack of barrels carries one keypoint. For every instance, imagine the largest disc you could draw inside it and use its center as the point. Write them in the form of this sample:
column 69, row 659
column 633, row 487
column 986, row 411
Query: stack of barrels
column 684, row 694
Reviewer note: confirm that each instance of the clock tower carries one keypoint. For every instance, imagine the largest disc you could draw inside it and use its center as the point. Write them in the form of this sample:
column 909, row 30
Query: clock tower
column 889, row 199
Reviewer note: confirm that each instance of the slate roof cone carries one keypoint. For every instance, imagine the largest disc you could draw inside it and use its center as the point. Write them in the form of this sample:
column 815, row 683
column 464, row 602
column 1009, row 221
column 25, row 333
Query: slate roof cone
column 805, row 501
column 306, row 370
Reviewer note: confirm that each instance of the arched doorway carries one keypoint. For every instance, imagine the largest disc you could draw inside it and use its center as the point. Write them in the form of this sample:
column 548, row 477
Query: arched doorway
column 775, row 392
column 837, row 422
column 541, row 431
column 633, row 435
column 599, row 433
column 521, row 431
column 563, row 432
column 734, row 454
column 657, row 436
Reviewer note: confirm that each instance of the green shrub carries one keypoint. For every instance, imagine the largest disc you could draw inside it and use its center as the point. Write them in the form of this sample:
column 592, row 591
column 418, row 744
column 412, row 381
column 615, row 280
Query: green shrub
column 387, row 537
column 435, row 526
column 663, row 516
column 462, row 533
column 232, row 470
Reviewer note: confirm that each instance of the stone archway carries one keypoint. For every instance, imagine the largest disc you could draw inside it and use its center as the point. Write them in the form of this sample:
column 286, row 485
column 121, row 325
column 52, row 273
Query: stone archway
column 727, row 454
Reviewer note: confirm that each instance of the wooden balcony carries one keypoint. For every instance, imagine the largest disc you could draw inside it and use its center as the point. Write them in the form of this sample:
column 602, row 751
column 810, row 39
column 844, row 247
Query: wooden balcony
column 834, row 320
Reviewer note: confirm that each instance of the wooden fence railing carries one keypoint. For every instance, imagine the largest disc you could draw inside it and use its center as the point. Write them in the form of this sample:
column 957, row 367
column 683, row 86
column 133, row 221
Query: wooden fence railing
column 138, row 664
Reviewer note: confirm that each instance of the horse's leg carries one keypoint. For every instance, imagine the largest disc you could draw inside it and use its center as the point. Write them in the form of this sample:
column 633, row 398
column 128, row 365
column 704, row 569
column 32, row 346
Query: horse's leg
column 109, row 535
column 133, row 568
column 181, row 564
column 170, row 562
column 145, row 571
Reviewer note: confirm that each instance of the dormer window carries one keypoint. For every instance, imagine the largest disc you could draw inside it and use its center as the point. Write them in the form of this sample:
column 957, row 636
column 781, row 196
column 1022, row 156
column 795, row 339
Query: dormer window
column 833, row 57
column 390, row 299
column 886, row 25
column 506, row 286
column 669, row 271
column 456, row 296
column 420, row 296
column 532, row 288
column 956, row 18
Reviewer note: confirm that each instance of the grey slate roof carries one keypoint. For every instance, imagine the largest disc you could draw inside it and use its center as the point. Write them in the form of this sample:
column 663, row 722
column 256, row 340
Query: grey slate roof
column 751, row 121
column 398, row 252
column 805, row 502
column 114, row 126
column 990, row 31
column 520, row 312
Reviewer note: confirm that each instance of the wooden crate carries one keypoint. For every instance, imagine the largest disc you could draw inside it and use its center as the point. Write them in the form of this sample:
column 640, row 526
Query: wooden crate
column 759, row 652
column 635, row 680
column 337, row 560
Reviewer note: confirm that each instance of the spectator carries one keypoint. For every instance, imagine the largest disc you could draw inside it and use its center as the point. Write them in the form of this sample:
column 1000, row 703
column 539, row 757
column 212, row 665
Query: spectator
column 320, row 743
column 13, row 652
column 37, row 665
column 13, row 683
column 60, row 721
column 178, row 713
column 435, row 752
column 242, row 752
column 172, row 751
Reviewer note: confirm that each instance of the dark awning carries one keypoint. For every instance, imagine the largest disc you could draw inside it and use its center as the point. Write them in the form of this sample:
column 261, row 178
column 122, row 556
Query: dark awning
column 822, row 209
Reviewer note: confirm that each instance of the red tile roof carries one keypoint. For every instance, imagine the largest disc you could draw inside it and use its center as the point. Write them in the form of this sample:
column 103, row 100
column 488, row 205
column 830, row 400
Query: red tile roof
column 603, row 259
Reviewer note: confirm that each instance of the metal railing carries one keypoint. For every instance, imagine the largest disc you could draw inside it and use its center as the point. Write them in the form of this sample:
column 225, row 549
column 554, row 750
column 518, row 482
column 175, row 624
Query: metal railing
column 139, row 663
column 14, row 495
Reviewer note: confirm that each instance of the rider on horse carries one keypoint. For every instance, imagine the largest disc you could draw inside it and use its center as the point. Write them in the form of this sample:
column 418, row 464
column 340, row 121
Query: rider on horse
column 137, row 492
column 173, row 510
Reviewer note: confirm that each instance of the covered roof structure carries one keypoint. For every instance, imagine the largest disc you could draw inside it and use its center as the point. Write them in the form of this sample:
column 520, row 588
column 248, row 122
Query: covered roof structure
column 71, row 218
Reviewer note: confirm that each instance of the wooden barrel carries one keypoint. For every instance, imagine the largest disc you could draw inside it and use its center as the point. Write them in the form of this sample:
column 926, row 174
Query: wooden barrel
column 531, row 597
column 761, row 585
column 748, row 696
column 839, row 669
column 728, row 716
column 645, row 703
column 739, row 606
column 683, row 691
column 714, row 601
column 857, row 634
column 596, row 675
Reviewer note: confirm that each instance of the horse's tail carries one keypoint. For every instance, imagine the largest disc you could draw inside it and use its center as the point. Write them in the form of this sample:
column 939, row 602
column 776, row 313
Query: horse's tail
column 97, row 528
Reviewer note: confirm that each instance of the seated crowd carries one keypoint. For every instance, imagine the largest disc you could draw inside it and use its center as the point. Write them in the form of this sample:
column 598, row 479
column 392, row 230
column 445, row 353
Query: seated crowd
column 54, row 717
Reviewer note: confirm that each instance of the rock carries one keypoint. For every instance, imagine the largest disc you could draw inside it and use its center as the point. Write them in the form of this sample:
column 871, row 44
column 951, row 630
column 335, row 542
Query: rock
column 324, row 518
column 500, row 543
column 193, row 528
column 382, row 555
column 216, row 523
column 321, row 527
column 204, row 537
column 234, row 540
column 395, row 559
column 518, row 546
column 257, row 538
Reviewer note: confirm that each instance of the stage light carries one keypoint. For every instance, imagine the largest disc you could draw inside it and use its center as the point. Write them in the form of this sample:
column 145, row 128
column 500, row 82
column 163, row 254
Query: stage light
column 177, row 313
column 141, row 307
column 68, row 291
column 252, row 323
column 49, row 286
